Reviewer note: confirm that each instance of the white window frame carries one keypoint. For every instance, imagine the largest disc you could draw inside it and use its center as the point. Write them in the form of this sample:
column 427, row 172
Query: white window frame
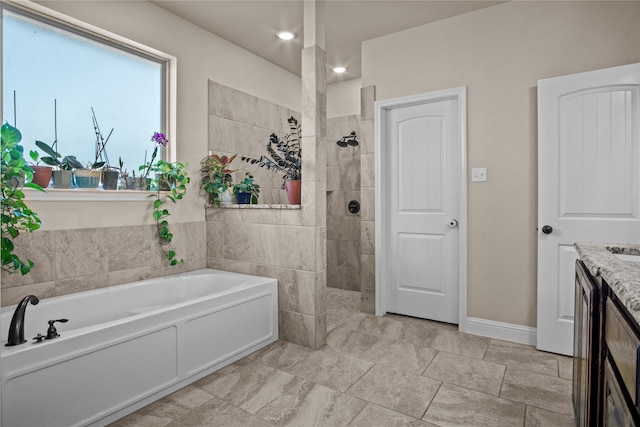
column 92, row 32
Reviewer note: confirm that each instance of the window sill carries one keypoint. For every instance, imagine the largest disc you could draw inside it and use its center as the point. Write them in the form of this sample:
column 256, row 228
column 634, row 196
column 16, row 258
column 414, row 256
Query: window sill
column 258, row 206
column 86, row 195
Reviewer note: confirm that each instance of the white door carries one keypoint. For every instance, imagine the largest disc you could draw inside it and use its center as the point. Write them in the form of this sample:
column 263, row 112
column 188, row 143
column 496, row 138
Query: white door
column 588, row 183
column 421, row 154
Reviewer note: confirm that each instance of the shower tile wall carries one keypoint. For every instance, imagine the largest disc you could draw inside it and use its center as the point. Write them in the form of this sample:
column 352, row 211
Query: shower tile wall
column 69, row 261
column 367, row 193
column 343, row 185
column 286, row 244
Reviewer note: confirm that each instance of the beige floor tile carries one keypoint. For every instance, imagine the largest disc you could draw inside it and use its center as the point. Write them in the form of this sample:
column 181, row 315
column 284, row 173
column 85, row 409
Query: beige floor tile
column 457, row 406
column 377, row 416
column 177, row 404
column 458, row 343
column 350, row 341
column 247, row 388
column 330, row 368
column 138, row 419
column 466, row 372
column 336, row 317
column 218, row 413
column 399, row 355
column 343, row 299
column 431, row 324
column 522, row 356
column 537, row 417
column 312, row 405
column 539, row 390
column 401, row 391
column 386, row 328
column 280, row 355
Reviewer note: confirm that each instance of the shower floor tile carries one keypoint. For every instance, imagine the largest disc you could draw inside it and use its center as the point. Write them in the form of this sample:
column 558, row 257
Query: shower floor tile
column 376, row 372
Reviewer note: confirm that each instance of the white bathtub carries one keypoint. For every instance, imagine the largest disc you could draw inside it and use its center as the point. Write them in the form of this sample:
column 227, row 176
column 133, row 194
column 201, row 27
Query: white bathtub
column 128, row 345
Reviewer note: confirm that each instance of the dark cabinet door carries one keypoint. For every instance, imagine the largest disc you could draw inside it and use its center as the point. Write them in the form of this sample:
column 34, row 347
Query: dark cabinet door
column 615, row 411
column 585, row 348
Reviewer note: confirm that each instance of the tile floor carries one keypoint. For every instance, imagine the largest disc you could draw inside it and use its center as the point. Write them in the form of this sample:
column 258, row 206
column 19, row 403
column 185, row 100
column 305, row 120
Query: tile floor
column 389, row 371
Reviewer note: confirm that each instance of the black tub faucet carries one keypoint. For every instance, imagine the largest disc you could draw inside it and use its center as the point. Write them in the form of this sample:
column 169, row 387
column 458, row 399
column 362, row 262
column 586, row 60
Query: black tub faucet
column 16, row 330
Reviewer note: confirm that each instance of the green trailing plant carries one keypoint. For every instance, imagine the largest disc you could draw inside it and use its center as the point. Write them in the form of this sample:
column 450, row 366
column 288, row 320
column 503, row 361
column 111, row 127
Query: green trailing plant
column 17, row 217
column 174, row 177
column 286, row 158
column 216, row 174
column 248, row 185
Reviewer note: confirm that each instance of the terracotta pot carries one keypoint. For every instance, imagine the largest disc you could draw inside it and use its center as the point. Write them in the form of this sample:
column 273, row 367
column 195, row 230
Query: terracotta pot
column 42, row 175
column 294, row 191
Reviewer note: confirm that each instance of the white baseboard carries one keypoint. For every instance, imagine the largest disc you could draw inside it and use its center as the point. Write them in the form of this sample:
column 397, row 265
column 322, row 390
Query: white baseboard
column 502, row 331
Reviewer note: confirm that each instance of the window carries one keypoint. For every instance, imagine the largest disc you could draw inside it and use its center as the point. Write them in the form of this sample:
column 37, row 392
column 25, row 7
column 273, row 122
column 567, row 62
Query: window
column 56, row 78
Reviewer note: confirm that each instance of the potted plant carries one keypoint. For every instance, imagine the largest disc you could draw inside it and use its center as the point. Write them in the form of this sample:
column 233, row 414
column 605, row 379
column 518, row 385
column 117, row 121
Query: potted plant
column 216, row 178
column 141, row 182
column 109, row 174
column 41, row 174
column 174, row 176
column 247, row 190
column 15, row 174
column 63, row 175
column 89, row 176
column 285, row 158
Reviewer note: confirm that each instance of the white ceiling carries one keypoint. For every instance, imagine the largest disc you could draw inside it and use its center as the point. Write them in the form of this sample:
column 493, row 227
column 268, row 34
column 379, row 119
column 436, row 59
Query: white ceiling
column 252, row 24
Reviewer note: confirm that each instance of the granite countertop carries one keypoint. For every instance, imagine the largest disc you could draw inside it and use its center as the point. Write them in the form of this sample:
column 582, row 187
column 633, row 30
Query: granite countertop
column 623, row 277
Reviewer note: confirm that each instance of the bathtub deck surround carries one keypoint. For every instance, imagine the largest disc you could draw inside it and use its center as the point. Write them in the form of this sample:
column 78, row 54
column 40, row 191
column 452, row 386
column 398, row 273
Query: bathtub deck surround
column 132, row 344
column 387, row 371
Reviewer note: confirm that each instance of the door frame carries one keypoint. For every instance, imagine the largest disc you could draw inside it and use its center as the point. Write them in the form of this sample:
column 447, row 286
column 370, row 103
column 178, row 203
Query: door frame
column 382, row 109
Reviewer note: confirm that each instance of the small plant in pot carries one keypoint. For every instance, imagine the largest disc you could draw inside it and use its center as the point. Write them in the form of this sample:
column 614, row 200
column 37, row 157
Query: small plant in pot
column 41, row 174
column 286, row 158
column 63, row 175
column 247, row 190
column 143, row 182
column 17, row 217
column 216, row 178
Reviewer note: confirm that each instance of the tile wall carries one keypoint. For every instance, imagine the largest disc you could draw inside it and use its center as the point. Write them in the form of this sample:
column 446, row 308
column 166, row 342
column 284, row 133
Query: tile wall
column 70, row 261
column 282, row 243
column 367, row 202
column 343, row 185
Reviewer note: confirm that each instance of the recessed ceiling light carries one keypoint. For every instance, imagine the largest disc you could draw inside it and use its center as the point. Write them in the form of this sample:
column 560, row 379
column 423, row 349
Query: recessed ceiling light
column 285, row 35
column 339, row 70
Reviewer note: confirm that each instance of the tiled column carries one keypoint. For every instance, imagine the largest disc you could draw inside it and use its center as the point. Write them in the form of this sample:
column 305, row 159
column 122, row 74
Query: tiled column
column 314, row 157
column 367, row 196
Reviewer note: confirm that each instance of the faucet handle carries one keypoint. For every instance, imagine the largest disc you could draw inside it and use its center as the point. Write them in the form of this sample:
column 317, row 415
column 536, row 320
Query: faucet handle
column 52, row 332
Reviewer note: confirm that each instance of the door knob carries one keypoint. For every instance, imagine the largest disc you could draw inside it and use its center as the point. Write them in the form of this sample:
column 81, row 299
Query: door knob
column 547, row 229
column 453, row 223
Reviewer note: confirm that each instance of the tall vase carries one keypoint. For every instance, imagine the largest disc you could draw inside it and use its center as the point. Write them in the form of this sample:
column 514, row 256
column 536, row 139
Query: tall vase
column 294, row 191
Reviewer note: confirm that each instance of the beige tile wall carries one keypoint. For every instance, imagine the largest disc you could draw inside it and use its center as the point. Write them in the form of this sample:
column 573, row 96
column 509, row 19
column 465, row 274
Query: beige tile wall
column 288, row 245
column 69, row 261
column 343, row 185
column 367, row 202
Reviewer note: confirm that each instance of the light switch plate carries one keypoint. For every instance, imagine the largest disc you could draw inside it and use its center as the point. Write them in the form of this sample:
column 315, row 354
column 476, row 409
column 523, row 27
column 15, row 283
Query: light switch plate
column 478, row 174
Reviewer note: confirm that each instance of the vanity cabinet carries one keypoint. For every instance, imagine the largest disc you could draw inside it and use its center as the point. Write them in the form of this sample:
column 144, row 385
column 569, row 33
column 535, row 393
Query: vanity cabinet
column 606, row 380
column 586, row 347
